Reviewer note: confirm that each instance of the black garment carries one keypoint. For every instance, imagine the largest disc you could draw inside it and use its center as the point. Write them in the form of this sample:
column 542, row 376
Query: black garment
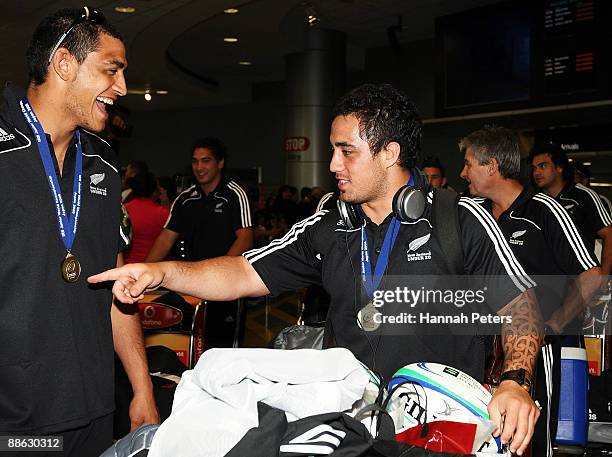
column 87, row 441
column 547, row 244
column 328, row 201
column 586, row 210
column 607, row 203
column 315, row 251
column 334, row 434
column 208, row 223
column 57, row 349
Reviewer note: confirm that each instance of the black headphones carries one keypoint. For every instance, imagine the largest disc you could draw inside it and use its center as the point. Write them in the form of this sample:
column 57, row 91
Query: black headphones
column 408, row 203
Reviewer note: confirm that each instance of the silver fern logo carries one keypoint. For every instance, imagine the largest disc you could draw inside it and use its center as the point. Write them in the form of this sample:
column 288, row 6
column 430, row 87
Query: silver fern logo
column 412, row 255
column 514, row 238
column 97, row 178
column 418, row 242
column 94, row 180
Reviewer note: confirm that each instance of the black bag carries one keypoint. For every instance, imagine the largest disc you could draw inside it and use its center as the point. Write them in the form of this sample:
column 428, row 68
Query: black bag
column 299, row 337
column 305, row 337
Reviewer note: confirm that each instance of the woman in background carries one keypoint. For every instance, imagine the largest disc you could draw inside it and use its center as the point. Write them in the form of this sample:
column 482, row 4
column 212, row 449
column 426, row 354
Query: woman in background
column 147, row 216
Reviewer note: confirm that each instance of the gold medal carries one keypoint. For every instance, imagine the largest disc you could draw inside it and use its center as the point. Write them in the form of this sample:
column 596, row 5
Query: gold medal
column 71, row 268
column 366, row 319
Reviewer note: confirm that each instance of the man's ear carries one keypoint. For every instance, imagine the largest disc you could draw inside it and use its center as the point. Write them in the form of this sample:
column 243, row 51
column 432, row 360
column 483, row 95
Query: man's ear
column 221, row 163
column 63, row 64
column 392, row 153
column 493, row 166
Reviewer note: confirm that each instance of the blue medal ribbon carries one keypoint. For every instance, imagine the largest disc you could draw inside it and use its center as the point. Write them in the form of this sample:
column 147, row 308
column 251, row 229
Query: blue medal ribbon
column 371, row 282
column 67, row 224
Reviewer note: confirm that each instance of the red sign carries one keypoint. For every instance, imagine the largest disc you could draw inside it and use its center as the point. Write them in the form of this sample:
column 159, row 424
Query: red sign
column 594, row 368
column 297, row 144
column 156, row 315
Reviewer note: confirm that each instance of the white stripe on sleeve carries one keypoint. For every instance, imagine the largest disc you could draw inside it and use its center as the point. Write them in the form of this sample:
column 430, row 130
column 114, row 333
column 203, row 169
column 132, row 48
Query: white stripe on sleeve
column 243, row 202
column 601, row 209
column 255, row 254
column 504, row 253
column 569, row 229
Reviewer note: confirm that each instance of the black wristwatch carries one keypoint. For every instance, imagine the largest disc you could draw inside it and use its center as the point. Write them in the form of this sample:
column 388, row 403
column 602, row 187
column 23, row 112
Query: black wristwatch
column 519, row 376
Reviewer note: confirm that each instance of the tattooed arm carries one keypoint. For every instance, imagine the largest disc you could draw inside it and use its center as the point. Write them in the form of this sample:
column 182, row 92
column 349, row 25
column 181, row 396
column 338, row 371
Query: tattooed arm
column 512, row 409
column 522, row 337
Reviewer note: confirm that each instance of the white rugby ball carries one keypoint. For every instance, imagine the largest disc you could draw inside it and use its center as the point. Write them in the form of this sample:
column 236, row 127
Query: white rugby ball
column 425, row 392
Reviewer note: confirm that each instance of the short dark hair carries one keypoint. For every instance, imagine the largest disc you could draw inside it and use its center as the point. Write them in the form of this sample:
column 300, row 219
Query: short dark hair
column 434, row 162
column 558, row 157
column 216, row 146
column 143, row 184
column 83, row 39
column 385, row 114
column 499, row 143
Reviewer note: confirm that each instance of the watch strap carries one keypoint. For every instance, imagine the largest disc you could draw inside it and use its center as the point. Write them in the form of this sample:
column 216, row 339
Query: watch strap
column 519, row 376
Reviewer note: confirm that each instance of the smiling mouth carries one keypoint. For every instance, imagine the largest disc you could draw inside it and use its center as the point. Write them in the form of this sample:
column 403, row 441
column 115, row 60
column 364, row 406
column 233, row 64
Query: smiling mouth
column 104, row 103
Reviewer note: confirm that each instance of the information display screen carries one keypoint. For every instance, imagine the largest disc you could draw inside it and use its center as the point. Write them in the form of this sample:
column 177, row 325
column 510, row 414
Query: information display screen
column 522, row 54
column 569, row 46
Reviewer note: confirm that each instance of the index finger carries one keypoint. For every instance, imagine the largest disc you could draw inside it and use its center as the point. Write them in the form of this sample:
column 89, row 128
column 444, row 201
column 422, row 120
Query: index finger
column 108, row 275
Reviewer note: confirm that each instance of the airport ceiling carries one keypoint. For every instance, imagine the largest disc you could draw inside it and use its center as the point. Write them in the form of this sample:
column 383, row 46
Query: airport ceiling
column 177, row 45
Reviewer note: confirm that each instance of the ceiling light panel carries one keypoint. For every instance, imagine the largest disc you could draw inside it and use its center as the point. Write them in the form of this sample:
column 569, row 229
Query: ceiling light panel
column 125, row 9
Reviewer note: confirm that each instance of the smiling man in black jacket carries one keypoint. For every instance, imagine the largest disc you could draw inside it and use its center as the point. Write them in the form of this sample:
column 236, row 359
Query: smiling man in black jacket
column 59, row 203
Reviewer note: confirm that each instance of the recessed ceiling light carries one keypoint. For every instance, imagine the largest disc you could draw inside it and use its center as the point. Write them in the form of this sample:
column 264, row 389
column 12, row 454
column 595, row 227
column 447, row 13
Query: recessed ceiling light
column 147, row 96
column 125, row 9
column 161, row 92
column 570, row 160
column 245, row 62
column 586, row 164
column 230, row 10
column 230, row 39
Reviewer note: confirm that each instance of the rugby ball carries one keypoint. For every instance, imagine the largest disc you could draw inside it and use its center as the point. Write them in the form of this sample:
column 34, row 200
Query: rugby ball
column 425, row 392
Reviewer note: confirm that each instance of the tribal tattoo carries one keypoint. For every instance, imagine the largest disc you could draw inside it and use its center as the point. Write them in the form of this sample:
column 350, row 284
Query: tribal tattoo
column 523, row 336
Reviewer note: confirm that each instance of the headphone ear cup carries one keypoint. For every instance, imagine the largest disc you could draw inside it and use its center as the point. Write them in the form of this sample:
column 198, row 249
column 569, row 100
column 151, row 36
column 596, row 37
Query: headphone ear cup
column 408, row 204
column 349, row 214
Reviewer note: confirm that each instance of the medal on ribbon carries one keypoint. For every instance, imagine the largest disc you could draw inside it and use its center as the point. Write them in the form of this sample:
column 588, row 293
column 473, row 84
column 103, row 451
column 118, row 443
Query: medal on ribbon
column 366, row 318
column 67, row 223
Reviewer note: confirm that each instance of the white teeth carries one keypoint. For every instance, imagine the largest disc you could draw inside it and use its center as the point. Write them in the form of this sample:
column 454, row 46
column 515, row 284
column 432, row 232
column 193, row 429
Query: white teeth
column 105, row 100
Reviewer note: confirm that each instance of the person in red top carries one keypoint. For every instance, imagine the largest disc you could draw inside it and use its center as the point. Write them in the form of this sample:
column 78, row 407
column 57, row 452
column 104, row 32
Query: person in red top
column 147, row 217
